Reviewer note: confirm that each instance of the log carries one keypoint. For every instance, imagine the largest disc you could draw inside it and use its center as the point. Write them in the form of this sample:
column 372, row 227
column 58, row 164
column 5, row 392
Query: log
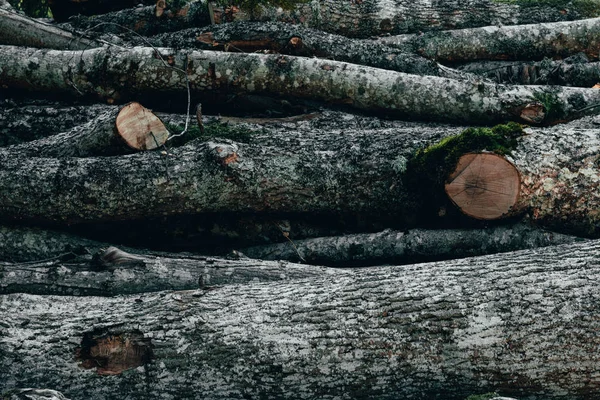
column 358, row 19
column 19, row 30
column 24, row 121
column 573, row 71
column 277, row 170
column 521, row 42
column 115, row 75
column 411, row 246
column 115, row 131
column 301, row 41
column 484, row 186
column 113, row 272
column 63, row 9
column 439, row 330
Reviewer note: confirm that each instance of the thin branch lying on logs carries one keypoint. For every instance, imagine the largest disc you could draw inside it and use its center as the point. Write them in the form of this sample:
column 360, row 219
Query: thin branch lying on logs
column 114, row 272
column 446, row 329
column 415, row 245
column 113, row 132
column 301, row 41
column 521, row 42
column 115, row 74
column 19, row 30
column 573, row 71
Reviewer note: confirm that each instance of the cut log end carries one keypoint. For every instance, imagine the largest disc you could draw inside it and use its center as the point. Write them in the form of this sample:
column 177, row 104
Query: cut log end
column 140, row 128
column 484, row 186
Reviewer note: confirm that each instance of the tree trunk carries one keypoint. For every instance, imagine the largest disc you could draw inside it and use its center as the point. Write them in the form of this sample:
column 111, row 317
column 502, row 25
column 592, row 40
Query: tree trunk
column 522, row 42
column 300, row 41
column 116, row 131
column 113, row 272
column 18, row 30
column 412, row 246
column 575, row 71
column 358, row 19
column 441, row 330
column 116, row 75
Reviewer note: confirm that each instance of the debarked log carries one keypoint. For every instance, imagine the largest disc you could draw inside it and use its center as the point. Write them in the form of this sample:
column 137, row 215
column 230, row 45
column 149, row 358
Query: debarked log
column 115, row 75
column 440, row 330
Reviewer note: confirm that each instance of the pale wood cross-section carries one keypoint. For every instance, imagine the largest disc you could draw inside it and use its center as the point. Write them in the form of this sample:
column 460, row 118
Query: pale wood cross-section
column 140, row 128
column 484, row 186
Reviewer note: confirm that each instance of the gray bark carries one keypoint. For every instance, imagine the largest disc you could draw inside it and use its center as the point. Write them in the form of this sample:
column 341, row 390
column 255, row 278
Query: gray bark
column 19, row 30
column 574, row 71
column 415, row 245
column 25, row 121
column 522, row 42
column 275, row 37
column 113, row 272
column 439, row 330
column 278, row 170
column 116, row 75
column 359, row 19
column 97, row 137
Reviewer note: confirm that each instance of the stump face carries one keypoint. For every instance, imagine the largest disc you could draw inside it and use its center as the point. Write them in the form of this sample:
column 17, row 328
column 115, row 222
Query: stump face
column 484, row 186
column 140, row 128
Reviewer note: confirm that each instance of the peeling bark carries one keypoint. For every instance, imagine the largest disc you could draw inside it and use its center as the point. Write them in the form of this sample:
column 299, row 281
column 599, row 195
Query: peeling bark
column 115, row 74
column 414, row 245
column 522, row 42
column 19, row 30
column 440, row 330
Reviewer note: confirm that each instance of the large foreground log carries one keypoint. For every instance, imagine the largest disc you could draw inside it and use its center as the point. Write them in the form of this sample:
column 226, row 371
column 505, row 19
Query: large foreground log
column 442, row 330
column 115, row 75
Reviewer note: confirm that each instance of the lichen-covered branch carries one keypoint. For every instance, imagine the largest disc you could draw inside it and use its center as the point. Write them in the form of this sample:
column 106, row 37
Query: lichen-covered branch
column 411, row 246
column 447, row 329
column 115, row 74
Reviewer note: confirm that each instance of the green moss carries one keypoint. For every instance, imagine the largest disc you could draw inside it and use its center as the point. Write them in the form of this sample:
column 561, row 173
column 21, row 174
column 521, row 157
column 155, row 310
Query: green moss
column 485, row 396
column 211, row 131
column 430, row 167
column 553, row 105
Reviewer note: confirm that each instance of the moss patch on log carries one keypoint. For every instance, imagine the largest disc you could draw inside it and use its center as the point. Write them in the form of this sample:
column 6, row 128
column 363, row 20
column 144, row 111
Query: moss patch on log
column 211, row 131
column 430, row 167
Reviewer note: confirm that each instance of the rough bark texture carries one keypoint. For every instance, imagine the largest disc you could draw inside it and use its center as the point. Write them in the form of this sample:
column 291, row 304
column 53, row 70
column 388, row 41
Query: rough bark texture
column 301, row 41
column 63, row 9
column 23, row 122
column 561, row 185
column 442, row 330
column 574, row 71
column 143, row 20
column 98, row 137
column 522, row 42
column 112, row 272
column 18, row 30
column 302, row 171
column 116, row 74
column 415, row 245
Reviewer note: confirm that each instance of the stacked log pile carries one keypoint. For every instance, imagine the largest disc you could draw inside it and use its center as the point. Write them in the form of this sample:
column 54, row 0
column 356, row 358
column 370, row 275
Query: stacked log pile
column 335, row 199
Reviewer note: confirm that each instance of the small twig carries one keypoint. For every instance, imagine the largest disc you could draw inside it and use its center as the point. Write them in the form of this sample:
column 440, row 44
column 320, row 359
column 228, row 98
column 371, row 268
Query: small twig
column 287, row 236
